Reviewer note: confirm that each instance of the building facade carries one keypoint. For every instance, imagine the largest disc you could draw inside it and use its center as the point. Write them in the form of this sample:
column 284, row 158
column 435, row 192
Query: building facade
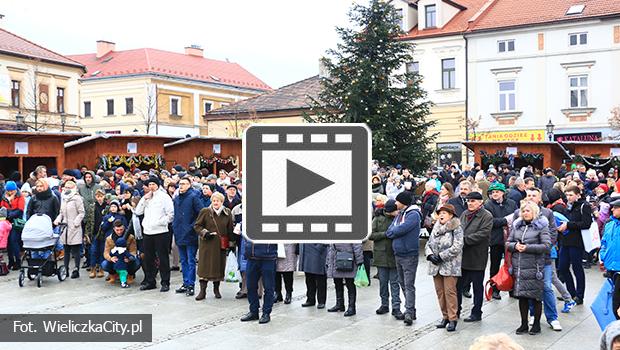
column 39, row 89
column 158, row 92
column 437, row 28
column 554, row 62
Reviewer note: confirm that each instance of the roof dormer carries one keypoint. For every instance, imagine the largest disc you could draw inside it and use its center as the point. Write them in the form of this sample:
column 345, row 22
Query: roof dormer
column 408, row 12
column 436, row 13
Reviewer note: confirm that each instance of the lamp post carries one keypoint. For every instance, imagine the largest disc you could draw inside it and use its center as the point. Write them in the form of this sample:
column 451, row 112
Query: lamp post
column 550, row 128
column 63, row 122
column 20, row 121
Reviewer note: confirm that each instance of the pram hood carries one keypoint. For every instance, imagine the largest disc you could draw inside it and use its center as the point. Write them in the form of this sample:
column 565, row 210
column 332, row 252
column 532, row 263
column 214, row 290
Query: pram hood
column 38, row 232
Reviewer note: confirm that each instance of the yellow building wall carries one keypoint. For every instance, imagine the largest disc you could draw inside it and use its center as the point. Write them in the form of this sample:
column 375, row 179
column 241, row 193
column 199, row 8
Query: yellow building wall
column 227, row 127
column 450, row 126
column 187, row 107
column 54, row 76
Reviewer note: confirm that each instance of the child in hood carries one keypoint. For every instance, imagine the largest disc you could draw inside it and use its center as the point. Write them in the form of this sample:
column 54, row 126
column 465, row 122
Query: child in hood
column 121, row 253
column 5, row 230
column 114, row 213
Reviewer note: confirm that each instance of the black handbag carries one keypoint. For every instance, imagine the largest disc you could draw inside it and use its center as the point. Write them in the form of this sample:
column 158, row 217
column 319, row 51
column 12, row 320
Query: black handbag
column 344, row 260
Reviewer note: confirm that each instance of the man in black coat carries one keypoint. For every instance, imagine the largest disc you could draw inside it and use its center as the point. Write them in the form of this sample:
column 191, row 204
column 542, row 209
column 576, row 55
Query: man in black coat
column 460, row 202
column 517, row 192
column 499, row 207
column 477, row 224
column 571, row 251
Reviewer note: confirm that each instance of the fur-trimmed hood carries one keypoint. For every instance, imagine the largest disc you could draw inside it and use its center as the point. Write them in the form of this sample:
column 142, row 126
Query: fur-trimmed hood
column 451, row 225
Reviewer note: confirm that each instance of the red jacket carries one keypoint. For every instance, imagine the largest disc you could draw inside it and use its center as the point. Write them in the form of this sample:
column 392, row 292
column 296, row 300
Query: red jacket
column 14, row 208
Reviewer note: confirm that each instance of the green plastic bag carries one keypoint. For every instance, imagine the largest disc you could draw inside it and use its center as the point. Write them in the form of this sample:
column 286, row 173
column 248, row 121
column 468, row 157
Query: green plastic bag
column 361, row 279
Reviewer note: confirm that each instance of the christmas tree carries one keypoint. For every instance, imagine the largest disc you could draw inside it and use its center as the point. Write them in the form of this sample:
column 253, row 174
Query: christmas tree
column 366, row 82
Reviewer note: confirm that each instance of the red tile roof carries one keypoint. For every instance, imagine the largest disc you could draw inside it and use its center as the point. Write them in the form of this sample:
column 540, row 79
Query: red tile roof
column 484, row 15
column 517, row 13
column 458, row 24
column 141, row 61
column 15, row 45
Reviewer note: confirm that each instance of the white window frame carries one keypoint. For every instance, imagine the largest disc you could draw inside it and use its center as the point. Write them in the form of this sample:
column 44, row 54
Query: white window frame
column 506, row 96
column 426, row 13
column 453, row 70
column 179, row 100
column 578, row 35
column 506, row 42
column 204, row 106
column 579, row 88
column 410, row 65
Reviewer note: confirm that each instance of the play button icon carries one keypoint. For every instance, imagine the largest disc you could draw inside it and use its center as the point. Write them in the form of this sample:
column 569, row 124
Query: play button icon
column 302, row 183
column 306, row 183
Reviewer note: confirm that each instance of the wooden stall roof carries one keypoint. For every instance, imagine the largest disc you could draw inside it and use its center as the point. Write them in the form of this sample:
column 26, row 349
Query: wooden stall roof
column 553, row 144
column 117, row 136
column 19, row 134
column 206, row 138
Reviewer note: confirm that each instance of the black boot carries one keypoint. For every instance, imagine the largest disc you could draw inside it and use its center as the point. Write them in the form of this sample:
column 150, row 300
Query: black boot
column 339, row 299
column 443, row 323
column 288, row 298
column 190, row 291
column 352, row 294
column 203, row 290
column 451, row 326
column 216, row 290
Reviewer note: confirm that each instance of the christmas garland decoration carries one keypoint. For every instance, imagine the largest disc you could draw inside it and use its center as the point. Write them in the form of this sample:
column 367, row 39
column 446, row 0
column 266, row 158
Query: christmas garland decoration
column 203, row 162
column 107, row 161
column 597, row 162
column 530, row 158
column 501, row 156
column 495, row 158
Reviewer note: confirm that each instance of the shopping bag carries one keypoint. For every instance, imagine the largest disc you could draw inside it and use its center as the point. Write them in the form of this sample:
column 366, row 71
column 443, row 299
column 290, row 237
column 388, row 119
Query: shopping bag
column 602, row 307
column 503, row 280
column 232, row 268
column 591, row 237
column 361, row 278
column 281, row 251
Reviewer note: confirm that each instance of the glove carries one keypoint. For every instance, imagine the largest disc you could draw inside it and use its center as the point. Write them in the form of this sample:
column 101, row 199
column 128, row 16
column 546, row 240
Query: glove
column 430, row 258
column 435, row 259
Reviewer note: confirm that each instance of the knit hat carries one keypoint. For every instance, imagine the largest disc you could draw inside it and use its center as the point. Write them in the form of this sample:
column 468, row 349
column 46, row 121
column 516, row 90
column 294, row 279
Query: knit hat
column 26, row 188
column 604, row 187
column 497, row 186
column 390, row 206
column 116, row 203
column 120, row 171
column 448, row 208
column 405, row 198
column 553, row 195
column 178, row 167
column 211, row 177
column 121, row 242
column 52, row 172
column 68, row 172
column 154, row 180
column 615, row 203
column 2, row 212
column 11, row 186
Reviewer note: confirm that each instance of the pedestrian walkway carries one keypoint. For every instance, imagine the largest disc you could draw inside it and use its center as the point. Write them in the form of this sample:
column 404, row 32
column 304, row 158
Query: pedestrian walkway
column 181, row 322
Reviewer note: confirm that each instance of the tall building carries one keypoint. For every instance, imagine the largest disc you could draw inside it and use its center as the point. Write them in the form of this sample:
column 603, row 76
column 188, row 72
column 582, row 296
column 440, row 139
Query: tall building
column 437, row 29
column 532, row 62
column 158, row 92
column 39, row 88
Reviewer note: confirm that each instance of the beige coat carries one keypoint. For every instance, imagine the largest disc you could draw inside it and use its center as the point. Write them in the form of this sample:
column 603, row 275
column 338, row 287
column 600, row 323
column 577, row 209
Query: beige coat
column 71, row 213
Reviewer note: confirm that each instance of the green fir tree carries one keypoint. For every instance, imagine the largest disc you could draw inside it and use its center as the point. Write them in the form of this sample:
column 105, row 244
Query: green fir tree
column 365, row 82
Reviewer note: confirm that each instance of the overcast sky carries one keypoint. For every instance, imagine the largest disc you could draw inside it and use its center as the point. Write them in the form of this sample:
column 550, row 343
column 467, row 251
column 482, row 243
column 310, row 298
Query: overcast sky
column 279, row 41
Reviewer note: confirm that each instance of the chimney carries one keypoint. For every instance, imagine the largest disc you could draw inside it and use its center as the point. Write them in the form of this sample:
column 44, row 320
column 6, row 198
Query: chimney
column 103, row 47
column 194, row 50
column 323, row 72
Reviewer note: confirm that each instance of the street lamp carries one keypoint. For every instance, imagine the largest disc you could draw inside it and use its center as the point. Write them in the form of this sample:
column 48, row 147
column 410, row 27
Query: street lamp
column 550, row 128
column 63, row 122
column 20, row 121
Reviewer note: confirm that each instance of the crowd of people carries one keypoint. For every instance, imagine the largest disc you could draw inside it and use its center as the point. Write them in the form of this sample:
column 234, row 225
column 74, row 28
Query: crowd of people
column 120, row 221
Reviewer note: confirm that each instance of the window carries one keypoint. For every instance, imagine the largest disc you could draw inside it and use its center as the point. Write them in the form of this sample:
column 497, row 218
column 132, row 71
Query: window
column 575, row 10
column 129, row 105
column 60, row 100
column 448, row 73
column 505, row 45
column 578, row 39
column 208, row 107
column 430, row 11
column 578, row 91
column 87, row 109
column 15, row 93
column 110, row 104
column 413, row 67
column 398, row 19
column 175, row 106
column 507, row 96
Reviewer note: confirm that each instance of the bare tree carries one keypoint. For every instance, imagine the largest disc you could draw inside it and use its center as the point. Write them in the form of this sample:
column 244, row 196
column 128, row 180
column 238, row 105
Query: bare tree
column 236, row 126
column 149, row 110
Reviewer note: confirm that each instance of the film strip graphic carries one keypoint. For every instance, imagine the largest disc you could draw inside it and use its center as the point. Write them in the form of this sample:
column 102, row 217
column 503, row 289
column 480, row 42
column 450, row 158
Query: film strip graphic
column 337, row 148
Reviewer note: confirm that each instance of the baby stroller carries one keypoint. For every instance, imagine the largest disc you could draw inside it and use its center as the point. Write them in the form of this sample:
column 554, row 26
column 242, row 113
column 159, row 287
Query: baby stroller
column 40, row 244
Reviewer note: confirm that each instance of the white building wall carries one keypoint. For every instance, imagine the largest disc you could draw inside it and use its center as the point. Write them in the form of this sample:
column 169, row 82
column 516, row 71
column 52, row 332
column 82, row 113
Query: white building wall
column 542, row 76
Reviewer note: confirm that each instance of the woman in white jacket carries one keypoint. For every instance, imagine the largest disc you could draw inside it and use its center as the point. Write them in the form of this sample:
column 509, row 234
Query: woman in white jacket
column 158, row 212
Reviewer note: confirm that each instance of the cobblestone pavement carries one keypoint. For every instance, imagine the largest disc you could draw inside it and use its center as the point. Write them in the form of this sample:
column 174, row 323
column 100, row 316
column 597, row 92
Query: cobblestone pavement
column 181, row 322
